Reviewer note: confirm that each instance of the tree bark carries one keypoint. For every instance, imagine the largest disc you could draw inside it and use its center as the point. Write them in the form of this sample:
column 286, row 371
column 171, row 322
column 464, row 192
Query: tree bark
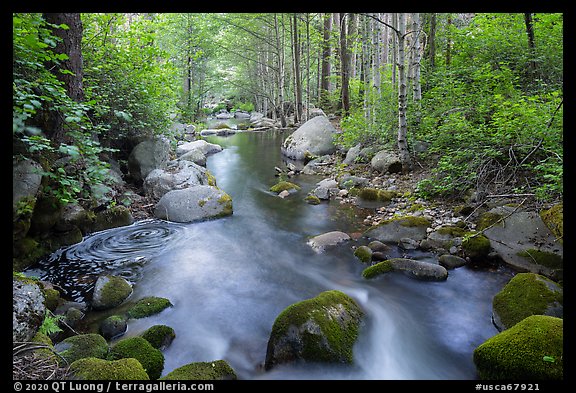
column 70, row 45
column 531, row 42
column 325, row 78
column 344, row 67
column 297, row 77
column 402, row 124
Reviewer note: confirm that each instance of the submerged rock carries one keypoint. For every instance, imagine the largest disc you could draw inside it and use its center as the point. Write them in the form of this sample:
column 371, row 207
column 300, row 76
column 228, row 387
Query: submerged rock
column 321, row 329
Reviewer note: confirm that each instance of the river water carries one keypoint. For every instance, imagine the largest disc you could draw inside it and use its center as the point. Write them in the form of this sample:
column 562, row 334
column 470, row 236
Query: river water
column 229, row 278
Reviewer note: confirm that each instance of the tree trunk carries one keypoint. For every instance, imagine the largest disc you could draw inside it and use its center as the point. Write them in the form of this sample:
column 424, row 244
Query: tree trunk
column 297, row 77
column 531, row 43
column 432, row 41
column 344, row 67
column 402, row 124
column 325, row 78
column 70, row 45
column 280, row 65
column 416, row 87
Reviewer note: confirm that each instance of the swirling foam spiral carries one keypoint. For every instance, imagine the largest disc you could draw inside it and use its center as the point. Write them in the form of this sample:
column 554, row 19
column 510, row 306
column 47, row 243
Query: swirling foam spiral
column 119, row 251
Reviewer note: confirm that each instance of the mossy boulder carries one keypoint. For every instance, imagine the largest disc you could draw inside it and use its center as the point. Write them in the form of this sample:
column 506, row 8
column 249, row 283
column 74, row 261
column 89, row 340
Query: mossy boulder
column 160, row 336
column 530, row 350
column 140, row 349
column 110, row 291
column 94, row 369
column 524, row 295
column 113, row 217
column 554, row 220
column 476, row 247
column 375, row 194
column 216, row 370
column 320, row 329
column 284, row 186
column 113, row 326
column 416, row 269
column 364, row 254
column 82, row 346
column 148, row 306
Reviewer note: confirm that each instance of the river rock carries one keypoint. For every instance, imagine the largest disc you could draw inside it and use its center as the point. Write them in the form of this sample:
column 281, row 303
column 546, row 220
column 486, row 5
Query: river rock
column 352, row 154
column 321, row 329
column 205, row 147
column 386, row 161
column 393, row 230
column 524, row 242
column 216, row 370
column 196, row 156
column 147, row 156
column 313, row 138
column 89, row 345
column 152, row 359
column 28, row 309
column 193, row 204
column 319, row 243
column 177, row 175
column 102, row 370
column 113, row 326
column 110, row 291
column 524, row 295
column 416, row 269
column 531, row 350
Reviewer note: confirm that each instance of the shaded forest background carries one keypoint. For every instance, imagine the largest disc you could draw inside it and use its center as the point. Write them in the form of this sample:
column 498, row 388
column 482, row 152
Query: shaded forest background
column 483, row 92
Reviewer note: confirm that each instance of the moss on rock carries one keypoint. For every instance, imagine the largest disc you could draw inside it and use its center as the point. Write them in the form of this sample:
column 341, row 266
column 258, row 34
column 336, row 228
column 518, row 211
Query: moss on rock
column 216, row 370
column 364, row 254
column 544, row 258
column 321, row 329
column 82, row 346
column 530, row 350
column 148, row 306
column 554, row 220
column 409, row 221
column 108, row 370
column 159, row 336
column 374, row 194
column 140, row 349
column 110, row 291
column 284, row 185
column 487, row 219
column 476, row 246
column 113, row 217
column 312, row 199
column 524, row 295
column 377, row 269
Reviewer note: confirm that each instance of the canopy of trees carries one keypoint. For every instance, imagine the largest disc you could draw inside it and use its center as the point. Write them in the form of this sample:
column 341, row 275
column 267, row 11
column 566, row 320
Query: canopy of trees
column 484, row 91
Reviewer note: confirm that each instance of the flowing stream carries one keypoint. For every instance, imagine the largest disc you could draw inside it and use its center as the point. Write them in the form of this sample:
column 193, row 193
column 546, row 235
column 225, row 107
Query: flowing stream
column 229, row 278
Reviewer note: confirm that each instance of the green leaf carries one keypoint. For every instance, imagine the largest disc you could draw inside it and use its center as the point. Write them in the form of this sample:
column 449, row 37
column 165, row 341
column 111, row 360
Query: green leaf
column 550, row 359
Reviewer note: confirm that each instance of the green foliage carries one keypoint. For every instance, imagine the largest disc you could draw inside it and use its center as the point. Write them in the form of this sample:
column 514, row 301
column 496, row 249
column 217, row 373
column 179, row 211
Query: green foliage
column 50, row 324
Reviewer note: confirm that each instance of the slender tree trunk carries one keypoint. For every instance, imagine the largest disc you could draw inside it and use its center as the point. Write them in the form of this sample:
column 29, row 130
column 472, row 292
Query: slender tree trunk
column 416, row 86
column 531, row 43
column 70, row 45
column 402, row 124
column 280, row 65
column 325, row 78
column 297, row 78
column 344, row 67
column 432, row 41
column 448, row 42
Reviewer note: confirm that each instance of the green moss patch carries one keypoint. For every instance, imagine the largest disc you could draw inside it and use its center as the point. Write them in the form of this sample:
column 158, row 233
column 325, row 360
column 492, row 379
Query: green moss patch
column 374, row 194
column 487, row 219
column 544, row 258
column 554, row 220
column 284, row 185
column 530, row 350
column 216, row 370
column 364, row 254
column 476, row 247
column 377, row 269
column 409, row 221
column 106, row 370
column 148, row 306
column 140, row 349
column 159, row 336
column 82, row 346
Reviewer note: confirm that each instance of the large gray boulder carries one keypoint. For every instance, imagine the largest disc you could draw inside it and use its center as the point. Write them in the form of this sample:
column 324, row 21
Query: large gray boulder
column 28, row 309
column 201, row 145
column 396, row 229
column 177, row 175
column 386, row 161
column 524, row 242
column 26, row 178
column 191, row 204
column 319, row 243
column 313, row 138
column 147, row 156
column 416, row 269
